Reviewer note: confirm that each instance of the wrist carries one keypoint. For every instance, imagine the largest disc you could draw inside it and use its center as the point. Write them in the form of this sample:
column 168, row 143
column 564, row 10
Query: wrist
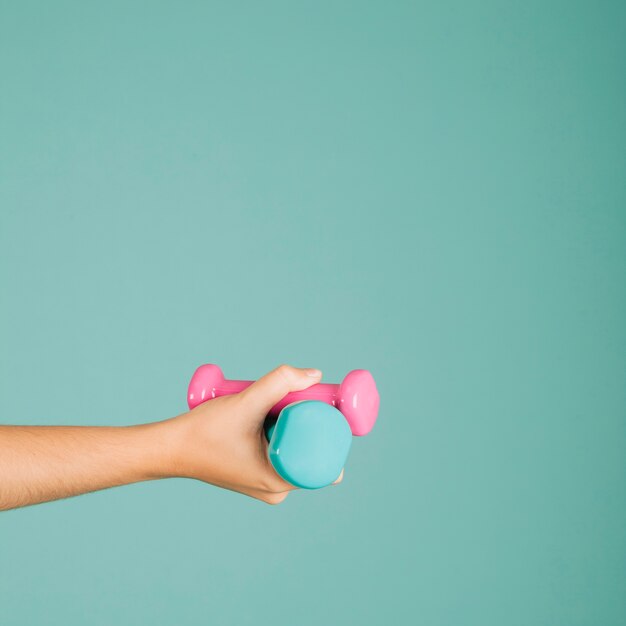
column 163, row 443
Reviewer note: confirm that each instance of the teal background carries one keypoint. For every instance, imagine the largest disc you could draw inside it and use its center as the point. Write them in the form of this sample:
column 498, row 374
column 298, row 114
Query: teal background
column 433, row 191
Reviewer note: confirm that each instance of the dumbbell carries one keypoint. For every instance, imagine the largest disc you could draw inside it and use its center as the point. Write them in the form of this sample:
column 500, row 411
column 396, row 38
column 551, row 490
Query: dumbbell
column 356, row 397
column 310, row 439
column 309, row 444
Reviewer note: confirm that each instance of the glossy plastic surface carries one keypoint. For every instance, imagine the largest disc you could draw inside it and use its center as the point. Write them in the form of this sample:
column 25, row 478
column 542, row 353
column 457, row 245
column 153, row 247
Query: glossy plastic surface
column 356, row 397
column 309, row 444
column 359, row 401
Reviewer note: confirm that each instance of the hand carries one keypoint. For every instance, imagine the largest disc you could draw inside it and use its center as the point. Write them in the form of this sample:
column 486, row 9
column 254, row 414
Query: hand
column 222, row 441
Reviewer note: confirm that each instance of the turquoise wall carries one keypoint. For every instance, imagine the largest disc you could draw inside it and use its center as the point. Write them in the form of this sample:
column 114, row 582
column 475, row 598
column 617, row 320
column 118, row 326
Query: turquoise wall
column 433, row 191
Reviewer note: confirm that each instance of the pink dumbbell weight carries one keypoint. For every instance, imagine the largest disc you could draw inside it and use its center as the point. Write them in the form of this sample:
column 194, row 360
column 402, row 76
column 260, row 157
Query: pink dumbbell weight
column 356, row 397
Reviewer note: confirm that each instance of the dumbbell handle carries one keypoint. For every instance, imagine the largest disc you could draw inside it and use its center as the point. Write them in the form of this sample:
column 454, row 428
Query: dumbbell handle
column 324, row 392
column 356, row 397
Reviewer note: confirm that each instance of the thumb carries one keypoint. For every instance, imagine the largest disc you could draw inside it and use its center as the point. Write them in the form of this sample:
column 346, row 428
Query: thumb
column 273, row 387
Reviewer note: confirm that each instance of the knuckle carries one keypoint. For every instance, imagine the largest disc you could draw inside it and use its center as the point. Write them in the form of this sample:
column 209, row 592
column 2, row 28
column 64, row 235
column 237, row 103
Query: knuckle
column 283, row 370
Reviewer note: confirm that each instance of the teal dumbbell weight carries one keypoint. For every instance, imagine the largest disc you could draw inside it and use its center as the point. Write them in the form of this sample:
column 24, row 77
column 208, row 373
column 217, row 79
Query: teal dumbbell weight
column 309, row 443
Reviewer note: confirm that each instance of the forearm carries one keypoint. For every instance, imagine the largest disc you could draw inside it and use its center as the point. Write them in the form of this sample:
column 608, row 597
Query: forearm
column 41, row 463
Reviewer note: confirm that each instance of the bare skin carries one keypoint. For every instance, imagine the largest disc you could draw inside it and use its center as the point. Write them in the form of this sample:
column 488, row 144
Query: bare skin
column 220, row 442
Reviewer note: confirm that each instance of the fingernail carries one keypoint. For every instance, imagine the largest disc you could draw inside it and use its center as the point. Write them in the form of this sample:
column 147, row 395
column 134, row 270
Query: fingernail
column 313, row 373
